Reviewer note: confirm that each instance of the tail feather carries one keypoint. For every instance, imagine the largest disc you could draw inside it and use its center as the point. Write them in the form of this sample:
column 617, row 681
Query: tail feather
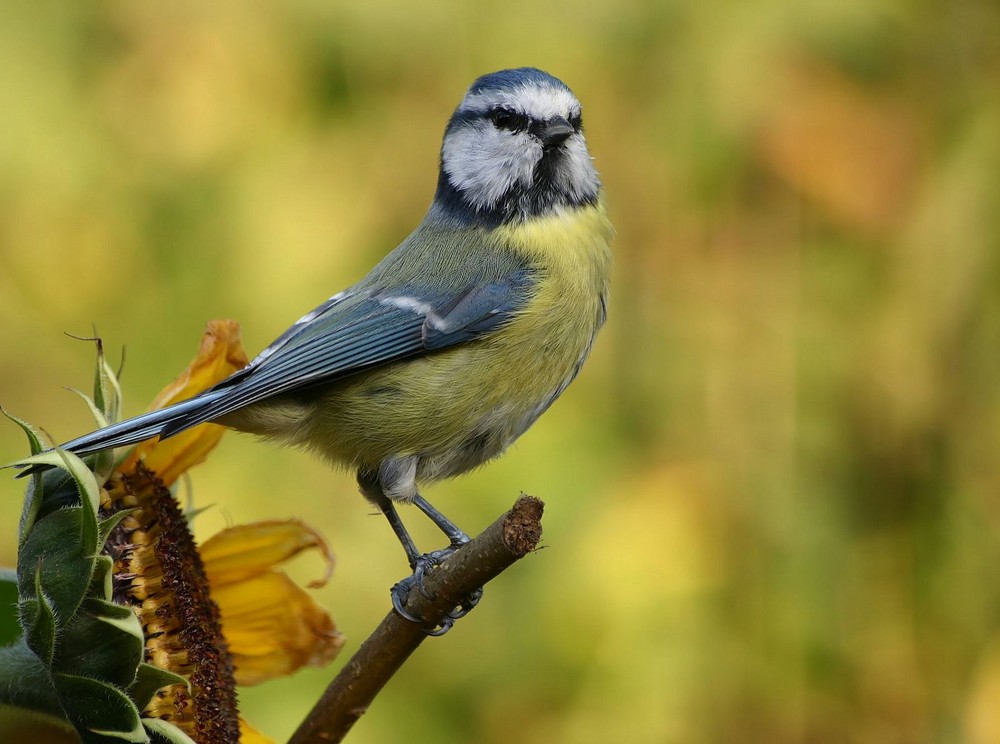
column 168, row 421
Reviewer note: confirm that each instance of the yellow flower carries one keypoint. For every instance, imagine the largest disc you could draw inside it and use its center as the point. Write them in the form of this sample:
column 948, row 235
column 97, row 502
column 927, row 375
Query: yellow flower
column 272, row 626
column 223, row 615
column 219, row 355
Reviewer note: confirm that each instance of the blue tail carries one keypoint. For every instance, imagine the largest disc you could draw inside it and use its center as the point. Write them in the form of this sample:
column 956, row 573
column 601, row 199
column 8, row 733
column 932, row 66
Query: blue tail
column 175, row 418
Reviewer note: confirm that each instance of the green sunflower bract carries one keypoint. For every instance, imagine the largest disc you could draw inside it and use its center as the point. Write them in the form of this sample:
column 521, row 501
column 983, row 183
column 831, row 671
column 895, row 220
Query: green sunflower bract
column 73, row 657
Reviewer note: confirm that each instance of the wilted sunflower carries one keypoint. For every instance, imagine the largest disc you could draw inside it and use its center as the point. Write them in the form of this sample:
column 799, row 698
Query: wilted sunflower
column 128, row 632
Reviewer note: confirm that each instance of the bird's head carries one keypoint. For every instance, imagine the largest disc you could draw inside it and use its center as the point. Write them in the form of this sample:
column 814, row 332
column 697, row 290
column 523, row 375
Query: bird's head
column 514, row 149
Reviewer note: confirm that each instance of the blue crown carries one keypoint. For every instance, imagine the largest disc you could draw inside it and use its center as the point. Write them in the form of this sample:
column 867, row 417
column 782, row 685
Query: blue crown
column 507, row 79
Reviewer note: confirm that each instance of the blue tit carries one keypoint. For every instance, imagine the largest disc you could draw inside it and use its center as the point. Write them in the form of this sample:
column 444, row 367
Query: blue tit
column 461, row 337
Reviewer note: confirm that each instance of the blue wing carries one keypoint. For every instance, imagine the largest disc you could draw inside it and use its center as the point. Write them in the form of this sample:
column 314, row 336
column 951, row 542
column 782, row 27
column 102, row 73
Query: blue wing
column 350, row 332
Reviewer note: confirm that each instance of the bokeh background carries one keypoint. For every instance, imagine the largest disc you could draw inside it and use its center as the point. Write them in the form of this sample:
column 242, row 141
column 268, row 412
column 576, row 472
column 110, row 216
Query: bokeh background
column 774, row 492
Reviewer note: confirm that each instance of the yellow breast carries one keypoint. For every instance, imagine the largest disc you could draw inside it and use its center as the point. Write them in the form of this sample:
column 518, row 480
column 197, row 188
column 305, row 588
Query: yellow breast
column 571, row 251
column 573, row 247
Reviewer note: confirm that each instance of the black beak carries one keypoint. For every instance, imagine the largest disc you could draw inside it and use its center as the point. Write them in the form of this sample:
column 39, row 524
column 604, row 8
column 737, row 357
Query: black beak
column 555, row 131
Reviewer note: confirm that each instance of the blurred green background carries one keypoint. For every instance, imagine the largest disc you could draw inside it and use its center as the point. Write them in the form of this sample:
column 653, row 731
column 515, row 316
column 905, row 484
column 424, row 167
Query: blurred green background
column 773, row 494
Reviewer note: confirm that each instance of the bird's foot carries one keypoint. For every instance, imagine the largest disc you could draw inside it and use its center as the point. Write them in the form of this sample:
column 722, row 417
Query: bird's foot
column 422, row 566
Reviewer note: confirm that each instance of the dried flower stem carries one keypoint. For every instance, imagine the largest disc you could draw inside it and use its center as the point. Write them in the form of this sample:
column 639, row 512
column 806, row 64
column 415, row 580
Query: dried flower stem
column 510, row 538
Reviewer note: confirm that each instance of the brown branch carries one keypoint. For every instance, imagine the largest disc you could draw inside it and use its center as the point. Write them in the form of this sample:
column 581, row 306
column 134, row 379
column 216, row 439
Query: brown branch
column 510, row 538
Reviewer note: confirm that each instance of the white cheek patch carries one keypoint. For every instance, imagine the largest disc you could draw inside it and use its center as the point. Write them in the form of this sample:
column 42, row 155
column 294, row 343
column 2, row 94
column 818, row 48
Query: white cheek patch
column 484, row 162
column 575, row 175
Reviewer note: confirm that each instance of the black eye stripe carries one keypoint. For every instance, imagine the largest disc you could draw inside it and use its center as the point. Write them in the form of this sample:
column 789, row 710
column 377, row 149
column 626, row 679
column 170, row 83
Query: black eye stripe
column 513, row 121
column 503, row 118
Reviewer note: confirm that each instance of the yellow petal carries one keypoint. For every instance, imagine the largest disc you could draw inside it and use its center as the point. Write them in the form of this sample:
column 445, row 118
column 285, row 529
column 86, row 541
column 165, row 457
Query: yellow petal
column 250, row 735
column 220, row 354
column 238, row 553
column 273, row 627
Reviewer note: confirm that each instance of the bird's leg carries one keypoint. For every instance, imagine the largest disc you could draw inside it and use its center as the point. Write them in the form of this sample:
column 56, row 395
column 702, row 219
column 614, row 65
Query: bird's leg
column 392, row 516
column 373, row 489
column 457, row 538
column 421, row 564
column 449, row 528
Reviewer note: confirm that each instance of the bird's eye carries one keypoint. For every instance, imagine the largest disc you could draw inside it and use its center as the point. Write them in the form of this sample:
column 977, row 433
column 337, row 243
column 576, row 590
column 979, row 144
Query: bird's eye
column 576, row 121
column 507, row 119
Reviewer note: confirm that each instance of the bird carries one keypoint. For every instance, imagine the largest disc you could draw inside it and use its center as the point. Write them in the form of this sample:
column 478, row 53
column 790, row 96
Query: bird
column 455, row 343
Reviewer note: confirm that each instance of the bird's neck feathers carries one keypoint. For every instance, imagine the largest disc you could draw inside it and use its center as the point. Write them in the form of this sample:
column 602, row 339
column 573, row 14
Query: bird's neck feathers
column 516, row 206
column 571, row 241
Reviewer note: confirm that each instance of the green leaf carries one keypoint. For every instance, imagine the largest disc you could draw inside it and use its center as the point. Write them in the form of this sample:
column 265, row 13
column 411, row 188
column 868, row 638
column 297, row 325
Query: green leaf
column 48, row 457
column 100, row 712
column 117, row 616
column 102, row 392
column 25, row 681
column 107, row 393
column 97, row 413
column 58, row 490
column 102, row 464
column 34, row 436
column 90, row 495
column 10, row 628
column 25, row 725
column 149, row 679
column 104, row 641
column 39, row 623
column 106, row 525
column 166, row 732
column 87, row 487
column 33, row 497
column 102, row 580
column 86, row 484
column 105, row 407
column 64, row 567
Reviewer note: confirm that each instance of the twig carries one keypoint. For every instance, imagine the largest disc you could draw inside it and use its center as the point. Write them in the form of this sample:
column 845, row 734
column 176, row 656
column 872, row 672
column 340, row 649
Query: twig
column 510, row 538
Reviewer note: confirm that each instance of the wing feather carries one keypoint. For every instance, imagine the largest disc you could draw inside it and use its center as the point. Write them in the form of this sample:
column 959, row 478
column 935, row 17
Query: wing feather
column 350, row 332
column 346, row 335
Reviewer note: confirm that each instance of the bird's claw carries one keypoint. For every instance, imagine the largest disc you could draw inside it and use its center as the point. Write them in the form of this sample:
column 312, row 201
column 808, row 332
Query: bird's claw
column 422, row 566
